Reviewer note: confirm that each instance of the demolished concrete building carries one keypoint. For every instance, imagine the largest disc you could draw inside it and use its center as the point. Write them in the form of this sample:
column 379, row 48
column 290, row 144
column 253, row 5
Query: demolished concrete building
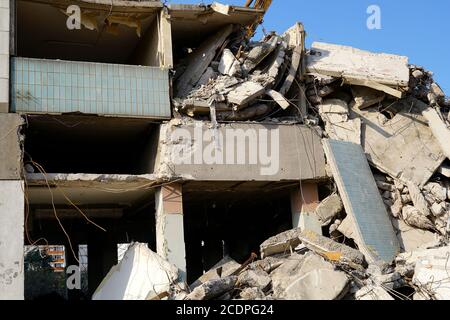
column 168, row 125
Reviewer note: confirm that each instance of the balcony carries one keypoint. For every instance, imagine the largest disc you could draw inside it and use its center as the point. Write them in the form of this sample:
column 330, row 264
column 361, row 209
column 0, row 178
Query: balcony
column 55, row 86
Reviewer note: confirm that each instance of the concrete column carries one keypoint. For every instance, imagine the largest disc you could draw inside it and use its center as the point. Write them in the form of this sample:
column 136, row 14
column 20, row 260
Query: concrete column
column 4, row 55
column 11, row 240
column 169, row 226
column 165, row 39
column 304, row 201
column 102, row 255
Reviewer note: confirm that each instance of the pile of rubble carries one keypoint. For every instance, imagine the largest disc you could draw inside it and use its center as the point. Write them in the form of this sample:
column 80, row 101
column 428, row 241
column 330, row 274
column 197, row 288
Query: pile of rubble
column 384, row 232
column 243, row 81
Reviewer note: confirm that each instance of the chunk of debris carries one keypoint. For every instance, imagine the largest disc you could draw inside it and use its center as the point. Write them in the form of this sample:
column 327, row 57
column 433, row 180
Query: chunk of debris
column 366, row 97
column 255, row 278
column 252, row 294
column 279, row 99
column 259, row 52
column 329, row 208
column 212, row 289
column 229, row 64
column 404, row 146
column 140, row 275
column 281, row 243
column 439, row 128
column 330, row 249
column 267, row 264
column 309, row 278
column 223, row 268
column 414, row 218
column 362, row 201
column 245, row 93
column 412, row 238
column 354, row 65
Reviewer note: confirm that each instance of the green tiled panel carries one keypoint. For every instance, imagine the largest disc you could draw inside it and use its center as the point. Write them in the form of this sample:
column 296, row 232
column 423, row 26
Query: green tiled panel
column 54, row 86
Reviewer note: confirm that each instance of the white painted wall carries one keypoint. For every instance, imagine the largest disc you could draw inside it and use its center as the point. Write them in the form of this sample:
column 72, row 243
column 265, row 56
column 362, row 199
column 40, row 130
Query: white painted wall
column 4, row 55
column 11, row 240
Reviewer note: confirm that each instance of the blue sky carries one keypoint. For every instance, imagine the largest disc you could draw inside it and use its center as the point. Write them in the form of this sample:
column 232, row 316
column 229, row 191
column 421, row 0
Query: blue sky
column 414, row 28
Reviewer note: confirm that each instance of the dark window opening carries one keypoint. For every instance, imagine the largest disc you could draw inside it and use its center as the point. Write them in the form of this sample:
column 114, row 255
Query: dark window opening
column 95, row 145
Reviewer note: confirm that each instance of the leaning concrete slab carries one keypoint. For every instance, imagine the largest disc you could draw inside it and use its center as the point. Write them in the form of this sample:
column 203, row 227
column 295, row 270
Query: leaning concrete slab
column 11, row 155
column 403, row 147
column 11, row 240
column 239, row 152
column 362, row 201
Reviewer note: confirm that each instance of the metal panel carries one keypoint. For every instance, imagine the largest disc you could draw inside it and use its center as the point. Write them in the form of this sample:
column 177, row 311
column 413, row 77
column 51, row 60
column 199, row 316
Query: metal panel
column 54, row 86
column 362, row 200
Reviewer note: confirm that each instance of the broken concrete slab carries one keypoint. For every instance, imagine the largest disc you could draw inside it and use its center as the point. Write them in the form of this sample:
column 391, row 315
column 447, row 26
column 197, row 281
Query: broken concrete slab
column 308, row 278
column 333, row 106
column 199, row 61
column 354, row 64
column 256, row 278
column 212, row 289
column 245, row 93
column 362, row 201
column 223, row 268
column 330, row 249
column 403, row 147
column 329, row 208
column 281, row 243
column 439, row 128
column 259, row 52
column 279, row 99
column 366, row 97
column 140, row 275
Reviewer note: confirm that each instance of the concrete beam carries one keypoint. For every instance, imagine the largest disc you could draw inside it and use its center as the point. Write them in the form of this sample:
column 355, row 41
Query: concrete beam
column 11, row 155
column 169, row 226
column 240, row 152
column 11, row 240
column 304, row 201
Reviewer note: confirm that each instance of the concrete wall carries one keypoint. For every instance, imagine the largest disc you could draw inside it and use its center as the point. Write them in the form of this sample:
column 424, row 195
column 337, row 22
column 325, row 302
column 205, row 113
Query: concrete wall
column 11, row 240
column 10, row 150
column 4, row 55
column 245, row 152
